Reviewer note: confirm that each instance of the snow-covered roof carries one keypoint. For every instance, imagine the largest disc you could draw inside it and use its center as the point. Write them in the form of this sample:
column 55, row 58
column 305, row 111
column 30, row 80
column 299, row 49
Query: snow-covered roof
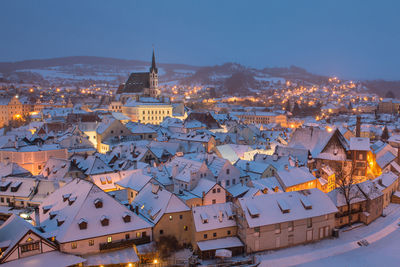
column 295, row 176
column 217, row 216
column 136, row 181
column 46, row 259
column 154, row 201
column 12, row 169
column 269, row 212
column 386, row 179
column 91, row 165
column 12, row 230
column 204, row 185
column 338, row 198
column 238, row 189
column 314, row 139
column 360, row 143
column 114, row 257
column 252, row 166
column 75, row 201
column 220, row 243
column 56, row 168
column 18, row 187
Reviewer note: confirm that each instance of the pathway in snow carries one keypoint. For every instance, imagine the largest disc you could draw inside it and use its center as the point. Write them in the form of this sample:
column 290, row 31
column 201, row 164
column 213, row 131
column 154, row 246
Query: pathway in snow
column 331, row 247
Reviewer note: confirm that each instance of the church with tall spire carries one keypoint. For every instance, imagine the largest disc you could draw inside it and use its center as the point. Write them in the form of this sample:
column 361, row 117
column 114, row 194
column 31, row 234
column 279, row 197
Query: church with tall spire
column 140, row 98
column 142, row 83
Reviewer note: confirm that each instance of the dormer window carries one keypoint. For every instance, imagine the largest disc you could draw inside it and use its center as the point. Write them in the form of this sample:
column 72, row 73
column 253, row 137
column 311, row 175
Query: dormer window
column 126, row 217
column 4, row 185
column 82, row 224
column 46, row 209
column 71, row 200
column 66, row 196
column 60, row 221
column 104, row 220
column 52, row 214
column 204, row 217
column 98, row 203
column 15, row 186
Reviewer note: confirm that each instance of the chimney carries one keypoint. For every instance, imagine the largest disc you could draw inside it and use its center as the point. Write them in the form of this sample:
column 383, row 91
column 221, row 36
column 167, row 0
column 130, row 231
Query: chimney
column 137, row 209
column 220, row 216
column 37, row 219
column 358, row 126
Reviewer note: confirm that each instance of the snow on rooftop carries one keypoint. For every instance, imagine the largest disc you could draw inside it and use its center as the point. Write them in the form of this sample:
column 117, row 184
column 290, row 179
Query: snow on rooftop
column 360, row 143
column 220, row 243
column 211, row 217
column 84, row 207
column 271, row 213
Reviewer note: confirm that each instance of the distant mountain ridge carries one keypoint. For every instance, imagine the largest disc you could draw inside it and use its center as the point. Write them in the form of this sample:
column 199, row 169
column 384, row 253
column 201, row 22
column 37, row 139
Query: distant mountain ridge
column 232, row 77
column 89, row 60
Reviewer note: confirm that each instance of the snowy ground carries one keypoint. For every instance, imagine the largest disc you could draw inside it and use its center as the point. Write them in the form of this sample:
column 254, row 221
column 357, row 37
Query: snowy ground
column 383, row 236
column 385, row 252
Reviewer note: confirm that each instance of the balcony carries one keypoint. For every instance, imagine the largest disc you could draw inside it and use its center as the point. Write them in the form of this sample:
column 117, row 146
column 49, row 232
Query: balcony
column 125, row 243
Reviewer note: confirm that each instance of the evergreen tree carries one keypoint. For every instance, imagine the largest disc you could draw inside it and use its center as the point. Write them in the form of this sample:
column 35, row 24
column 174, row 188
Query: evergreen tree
column 350, row 106
column 389, row 94
column 287, row 107
column 296, row 109
column 385, row 134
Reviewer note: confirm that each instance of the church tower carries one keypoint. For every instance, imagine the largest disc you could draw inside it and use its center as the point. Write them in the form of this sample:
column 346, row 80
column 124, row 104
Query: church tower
column 154, row 91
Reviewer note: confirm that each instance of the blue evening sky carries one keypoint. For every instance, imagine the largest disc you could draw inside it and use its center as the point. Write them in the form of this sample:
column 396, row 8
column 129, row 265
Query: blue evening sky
column 349, row 38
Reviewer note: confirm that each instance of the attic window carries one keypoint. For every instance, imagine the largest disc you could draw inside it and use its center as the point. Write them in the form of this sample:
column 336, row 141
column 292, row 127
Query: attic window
column 204, row 217
column 109, row 180
column 15, row 186
column 155, row 188
column 253, row 211
column 46, row 209
column 52, row 214
column 126, row 217
column 306, row 202
column 66, row 196
column 98, row 203
column 4, row 185
column 60, row 221
column 283, row 205
column 103, row 180
column 82, row 224
column 71, row 200
column 104, row 220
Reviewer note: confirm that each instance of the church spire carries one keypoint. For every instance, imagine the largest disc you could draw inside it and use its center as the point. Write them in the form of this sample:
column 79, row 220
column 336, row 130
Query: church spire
column 153, row 64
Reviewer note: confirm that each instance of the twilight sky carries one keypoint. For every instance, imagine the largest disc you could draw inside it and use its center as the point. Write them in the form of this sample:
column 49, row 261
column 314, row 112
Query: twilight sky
column 349, row 38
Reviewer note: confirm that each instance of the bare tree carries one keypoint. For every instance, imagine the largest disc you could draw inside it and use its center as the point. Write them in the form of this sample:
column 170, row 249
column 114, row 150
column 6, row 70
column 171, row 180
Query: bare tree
column 347, row 186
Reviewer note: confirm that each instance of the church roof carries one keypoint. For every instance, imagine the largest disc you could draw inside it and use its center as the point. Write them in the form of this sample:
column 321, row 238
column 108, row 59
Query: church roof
column 136, row 83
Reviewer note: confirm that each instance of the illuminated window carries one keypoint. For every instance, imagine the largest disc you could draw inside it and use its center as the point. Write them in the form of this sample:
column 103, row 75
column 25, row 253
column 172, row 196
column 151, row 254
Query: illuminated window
column 74, row 245
column 91, row 242
column 109, row 239
column 30, row 247
column 170, row 217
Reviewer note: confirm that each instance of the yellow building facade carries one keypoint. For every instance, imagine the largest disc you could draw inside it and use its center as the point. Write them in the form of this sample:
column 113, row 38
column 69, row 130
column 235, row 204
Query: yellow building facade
column 153, row 113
